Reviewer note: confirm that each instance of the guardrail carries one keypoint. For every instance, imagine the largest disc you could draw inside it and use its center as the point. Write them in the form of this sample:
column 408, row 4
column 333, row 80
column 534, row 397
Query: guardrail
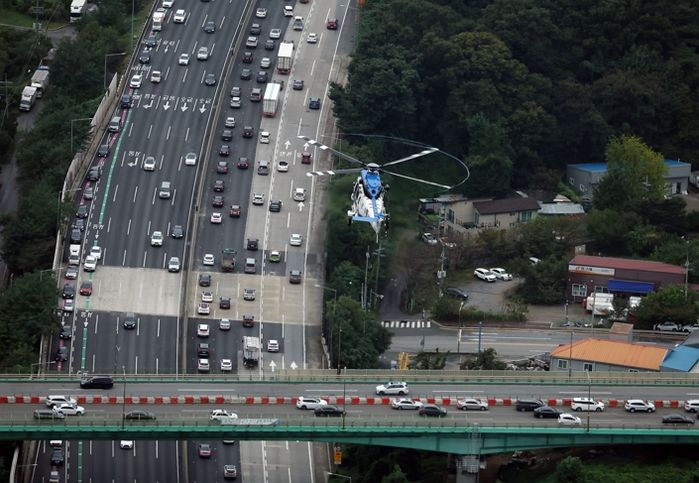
column 325, row 376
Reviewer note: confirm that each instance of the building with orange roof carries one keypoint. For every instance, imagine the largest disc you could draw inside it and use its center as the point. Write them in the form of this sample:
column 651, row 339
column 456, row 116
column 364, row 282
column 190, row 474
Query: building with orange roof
column 603, row 355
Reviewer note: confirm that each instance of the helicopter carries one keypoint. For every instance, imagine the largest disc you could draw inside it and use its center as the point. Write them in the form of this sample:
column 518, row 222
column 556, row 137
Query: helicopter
column 369, row 190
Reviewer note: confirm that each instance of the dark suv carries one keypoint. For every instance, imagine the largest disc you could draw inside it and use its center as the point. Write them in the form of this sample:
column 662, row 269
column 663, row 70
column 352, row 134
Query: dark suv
column 456, row 292
column 203, row 349
column 252, row 244
column 97, row 382
column 528, row 404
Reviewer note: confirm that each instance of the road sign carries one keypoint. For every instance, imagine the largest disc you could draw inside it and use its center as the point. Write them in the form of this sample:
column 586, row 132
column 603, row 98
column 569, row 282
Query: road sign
column 338, row 455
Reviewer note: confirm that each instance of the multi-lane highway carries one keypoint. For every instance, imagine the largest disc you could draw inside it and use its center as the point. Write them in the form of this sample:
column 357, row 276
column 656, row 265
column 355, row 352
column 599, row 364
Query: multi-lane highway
column 162, row 124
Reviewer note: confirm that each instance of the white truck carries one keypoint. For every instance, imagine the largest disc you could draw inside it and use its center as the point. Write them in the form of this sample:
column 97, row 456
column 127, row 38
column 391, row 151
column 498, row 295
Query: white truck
column 40, row 80
column 285, row 57
column 77, row 8
column 270, row 101
column 600, row 303
column 28, row 98
column 251, row 351
column 158, row 19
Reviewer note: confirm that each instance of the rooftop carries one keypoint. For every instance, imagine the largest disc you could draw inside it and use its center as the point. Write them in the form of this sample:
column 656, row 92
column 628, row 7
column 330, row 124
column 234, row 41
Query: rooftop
column 626, row 264
column 561, row 209
column 601, row 167
column 681, row 359
column 634, row 356
column 506, row 205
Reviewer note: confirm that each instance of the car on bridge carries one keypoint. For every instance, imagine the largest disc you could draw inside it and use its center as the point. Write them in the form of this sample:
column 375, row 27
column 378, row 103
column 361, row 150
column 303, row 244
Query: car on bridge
column 405, row 403
column 432, row 410
column 230, row 472
column 53, row 399
column 310, row 402
column 472, row 404
column 329, row 411
column 586, row 404
column 567, row 419
column 633, row 405
column 221, row 414
column 139, row 415
column 546, row 412
column 677, row 419
column 391, row 388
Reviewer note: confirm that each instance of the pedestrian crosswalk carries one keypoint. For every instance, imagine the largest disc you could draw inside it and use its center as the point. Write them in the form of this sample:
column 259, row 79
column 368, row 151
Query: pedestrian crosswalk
column 407, row 324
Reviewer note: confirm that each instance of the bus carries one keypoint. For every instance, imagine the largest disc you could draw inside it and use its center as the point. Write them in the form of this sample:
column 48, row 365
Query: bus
column 77, row 8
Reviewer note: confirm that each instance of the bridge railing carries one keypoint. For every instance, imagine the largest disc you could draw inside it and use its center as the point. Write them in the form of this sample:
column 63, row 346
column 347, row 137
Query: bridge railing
column 324, row 376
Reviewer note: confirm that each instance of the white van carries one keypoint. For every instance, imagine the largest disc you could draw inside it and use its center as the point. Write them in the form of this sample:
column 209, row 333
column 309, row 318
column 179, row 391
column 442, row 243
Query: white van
column 114, row 124
column 165, row 190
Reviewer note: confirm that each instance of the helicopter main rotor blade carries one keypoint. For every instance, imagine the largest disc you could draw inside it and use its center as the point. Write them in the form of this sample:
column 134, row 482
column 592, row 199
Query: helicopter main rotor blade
column 333, row 172
column 412, row 156
column 417, row 180
column 323, row 147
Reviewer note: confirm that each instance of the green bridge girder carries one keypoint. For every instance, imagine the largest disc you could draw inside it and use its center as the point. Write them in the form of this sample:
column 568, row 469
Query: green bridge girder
column 440, row 438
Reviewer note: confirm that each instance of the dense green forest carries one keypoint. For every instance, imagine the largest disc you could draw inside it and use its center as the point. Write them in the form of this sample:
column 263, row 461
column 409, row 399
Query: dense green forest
column 520, row 88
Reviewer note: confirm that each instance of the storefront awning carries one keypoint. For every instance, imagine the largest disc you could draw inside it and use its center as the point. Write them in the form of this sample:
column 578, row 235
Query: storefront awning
column 629, row 286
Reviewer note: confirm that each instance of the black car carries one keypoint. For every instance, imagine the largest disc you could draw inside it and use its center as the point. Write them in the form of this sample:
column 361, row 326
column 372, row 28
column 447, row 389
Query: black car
column 79, row 224
column 252, row 244
column 255, row 29
column 677, row 419
column 217, row 201
column 94, row 173
column 224, row 303
column 275, row 206
column 57, row 457
column 210, row 27
column 177, row 232
column 298, row 85
column 224, row 150
column 314, row 103
column 151, row 41
column 76, row 236
column 247, row 59
column 203, row 349
column 456, row 292
column 528, row 404
column 210, row 80
column 329, row 410
column 248, row 132
column 144, row 57
column 235, row 92
column 103, row 151
column 261, row 77
column 432, row 410
column 66, row 333
column 82, row 211
column 97, row 382
column 245, row 74
column 68, row 291
column 61, row 354
column 126, row 101
column 226, row 135
column 130, row 321
column 269, row 45
column 546, row 412
column 138, row 415
column 219, row 186
column 204, row 280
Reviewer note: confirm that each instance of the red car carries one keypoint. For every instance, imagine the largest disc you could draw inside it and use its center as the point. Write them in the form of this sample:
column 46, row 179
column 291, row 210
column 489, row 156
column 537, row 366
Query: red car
column 222, row 167
column 224, row 150
column 217, row 201
column 332, row 24
column 234, row 211
column 243, row 163
column 306, row 157
column 86, row 288
column 205, row 450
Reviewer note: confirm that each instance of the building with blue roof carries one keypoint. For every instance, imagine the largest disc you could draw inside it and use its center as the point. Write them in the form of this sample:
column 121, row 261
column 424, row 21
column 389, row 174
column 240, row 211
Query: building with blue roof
column 583, row 177
column 681, row 358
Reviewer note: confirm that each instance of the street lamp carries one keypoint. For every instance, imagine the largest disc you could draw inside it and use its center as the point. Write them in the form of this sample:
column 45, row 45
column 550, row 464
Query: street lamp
column 589, row 397
column 116, row 54
column 328, row 474
column 344, row 397
column 334, row 307
column 123, row 401
column 40, row 364
column 458, row 341
column 339, row 352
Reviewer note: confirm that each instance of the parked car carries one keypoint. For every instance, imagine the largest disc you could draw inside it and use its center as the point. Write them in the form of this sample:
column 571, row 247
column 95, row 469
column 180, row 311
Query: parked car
column 668, row 326
column 501, row 274
column 484, row 274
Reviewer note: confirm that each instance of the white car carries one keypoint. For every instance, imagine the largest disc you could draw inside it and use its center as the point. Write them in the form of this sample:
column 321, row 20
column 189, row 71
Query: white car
column 96, row 251
column 633, row 405
column 261, row 13
column 208, row 259
column 312, row 38
column 265, row 63
column 156, row 239
column 258, row 199
column 295, row 240
column 207, row 297
column 288, row 11
column 691, row 405
column 586, row 404
column 173, row 265
column 230, row 122
column 567, row 419
column 184, row 59
column 219, row 414
column 310, row 402
column 405, row 403
column 300, row 194
column 203, row 330
column 69, row 409
column 472, row 404
column 203, row 308
column 168, row 3
column 484, row 274
column 226, row 365
column 136, row 81
column 224, row 324
column 272, row 345
column 52, row 400
column 126, row 444
column 90, row 264
column 179, row 16
column 500, row 274
column 156, row 76
column 391, row 388
column 203, row 365
column 282, row 166
column 149, row 163
column 429, row 238
column 203, row 53
column 216, row 218
column 264, row 137
column 667, row 326
column 275, row 33
column 190, row 159
column 68, row 305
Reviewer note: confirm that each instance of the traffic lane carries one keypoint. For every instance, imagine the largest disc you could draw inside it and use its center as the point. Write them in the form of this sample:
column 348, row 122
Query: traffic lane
column 205, row 469
column 222, row 344
column 107, row 347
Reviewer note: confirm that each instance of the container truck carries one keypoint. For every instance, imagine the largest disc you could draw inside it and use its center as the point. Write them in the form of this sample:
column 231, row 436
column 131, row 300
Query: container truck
column 158, row 19
column 40, row 80
column 28, row 98
column 285, row 56
column 228, row 260
column 251, row 351
column 270, row 102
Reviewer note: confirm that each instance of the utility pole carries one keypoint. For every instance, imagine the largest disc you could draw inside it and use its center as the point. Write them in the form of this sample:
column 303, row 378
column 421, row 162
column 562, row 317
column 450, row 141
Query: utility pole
column 365, row 305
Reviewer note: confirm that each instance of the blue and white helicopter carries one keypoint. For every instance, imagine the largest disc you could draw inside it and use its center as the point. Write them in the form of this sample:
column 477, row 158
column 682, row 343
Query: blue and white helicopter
column 369, row 192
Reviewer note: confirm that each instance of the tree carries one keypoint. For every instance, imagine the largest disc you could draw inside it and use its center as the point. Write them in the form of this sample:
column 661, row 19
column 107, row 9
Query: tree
column 668, row 303
column 610, row 229
column 486, row 360
column 570, row 470
column 396, row 476
column 430, row 360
